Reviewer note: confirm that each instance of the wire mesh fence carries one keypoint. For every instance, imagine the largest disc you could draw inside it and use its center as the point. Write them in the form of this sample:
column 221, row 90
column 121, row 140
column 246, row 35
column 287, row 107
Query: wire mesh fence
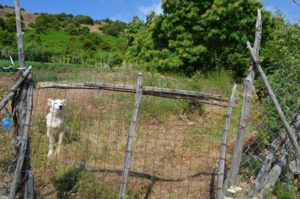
column 175, row 151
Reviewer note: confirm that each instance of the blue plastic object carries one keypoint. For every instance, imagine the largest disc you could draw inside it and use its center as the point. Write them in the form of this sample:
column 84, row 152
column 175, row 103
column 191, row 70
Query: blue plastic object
column 5, row 122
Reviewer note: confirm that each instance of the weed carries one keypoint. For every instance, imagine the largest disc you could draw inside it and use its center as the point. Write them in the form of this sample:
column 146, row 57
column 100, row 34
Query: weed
column 285, row 191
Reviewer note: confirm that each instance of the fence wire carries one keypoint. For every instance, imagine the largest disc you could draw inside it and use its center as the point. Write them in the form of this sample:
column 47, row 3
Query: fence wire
column 176, row 146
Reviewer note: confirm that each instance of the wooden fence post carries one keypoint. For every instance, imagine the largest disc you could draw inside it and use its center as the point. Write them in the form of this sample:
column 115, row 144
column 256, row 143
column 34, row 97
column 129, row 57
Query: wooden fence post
column 248, row 87
column 274, row 174
column 24, row 140
column 224, row 143
column 19, row 35
column 131, row 137
column 257, row 185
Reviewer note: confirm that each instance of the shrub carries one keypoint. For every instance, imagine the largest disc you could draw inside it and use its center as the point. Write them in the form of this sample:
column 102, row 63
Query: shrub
column 66, row 181
column 115, row 59
column 83, row 19
column 113, row 28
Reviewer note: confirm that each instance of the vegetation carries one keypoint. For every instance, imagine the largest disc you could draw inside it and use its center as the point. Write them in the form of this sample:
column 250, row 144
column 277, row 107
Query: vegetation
column 189, row 36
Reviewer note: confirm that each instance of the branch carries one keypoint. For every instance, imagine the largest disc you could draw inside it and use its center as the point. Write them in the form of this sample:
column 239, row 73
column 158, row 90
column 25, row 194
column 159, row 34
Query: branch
column 296, row 2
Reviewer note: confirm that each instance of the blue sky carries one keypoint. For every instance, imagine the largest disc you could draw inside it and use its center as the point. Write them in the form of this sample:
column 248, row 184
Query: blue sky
column 126, row 9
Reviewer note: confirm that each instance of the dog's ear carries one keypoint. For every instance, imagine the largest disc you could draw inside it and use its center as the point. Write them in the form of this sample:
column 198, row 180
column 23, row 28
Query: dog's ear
column 50, row 102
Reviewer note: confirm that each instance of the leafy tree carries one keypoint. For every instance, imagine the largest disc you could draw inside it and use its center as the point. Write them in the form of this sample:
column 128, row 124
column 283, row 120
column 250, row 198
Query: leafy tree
column 2, row 24
column 7, row 38
column 82, row 19
column 72, row 28
column 84, row 31
column 113, row 28
column 133, row 28
column 45, row 22
column 203, row 34
column 115, row 59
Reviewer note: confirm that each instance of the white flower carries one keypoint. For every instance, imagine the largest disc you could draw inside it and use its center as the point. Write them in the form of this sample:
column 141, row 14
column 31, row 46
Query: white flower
column 233, row 189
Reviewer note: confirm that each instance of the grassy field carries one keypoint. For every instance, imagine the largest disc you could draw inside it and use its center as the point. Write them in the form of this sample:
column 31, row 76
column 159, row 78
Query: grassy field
column 176, row 141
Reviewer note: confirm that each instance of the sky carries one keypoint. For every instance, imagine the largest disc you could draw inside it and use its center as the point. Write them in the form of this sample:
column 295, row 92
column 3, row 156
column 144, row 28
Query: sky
column 125, row 9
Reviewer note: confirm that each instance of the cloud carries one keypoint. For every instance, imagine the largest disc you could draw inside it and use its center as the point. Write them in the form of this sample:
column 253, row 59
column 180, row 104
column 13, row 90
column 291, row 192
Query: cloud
column 145, row 10
column 271, row 8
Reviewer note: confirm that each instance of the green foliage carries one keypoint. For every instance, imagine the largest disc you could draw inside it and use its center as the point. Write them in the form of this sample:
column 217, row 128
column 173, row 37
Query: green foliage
column 82, row 19
column 113, row 28
column 45, row 22
column 7, row 38
column 285, row 191
column 195, row 35
column 251, row 166
column 115, row 59
column 281, row 58
column 66, row 181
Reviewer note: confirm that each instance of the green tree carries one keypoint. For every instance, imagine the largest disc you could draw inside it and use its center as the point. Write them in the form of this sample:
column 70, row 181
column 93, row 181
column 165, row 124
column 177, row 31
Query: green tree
column 202, row 34
column 82, row 19
column 45, row 22
column 113, row 28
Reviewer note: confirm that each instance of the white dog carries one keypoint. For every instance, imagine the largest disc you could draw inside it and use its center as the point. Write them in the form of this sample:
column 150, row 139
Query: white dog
column 56, row 128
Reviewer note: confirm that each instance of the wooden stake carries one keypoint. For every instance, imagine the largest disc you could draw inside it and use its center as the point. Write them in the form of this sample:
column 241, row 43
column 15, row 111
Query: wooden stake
column 273, row 175
column 19, row 35
column 224, row 143
column 248, row 87
column 131, row 137
column 24, row 141
column 260, row 178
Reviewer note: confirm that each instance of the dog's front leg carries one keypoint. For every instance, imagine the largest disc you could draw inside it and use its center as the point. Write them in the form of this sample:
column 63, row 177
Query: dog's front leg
column 51, row 145
column 48, row 131
column 60, row 140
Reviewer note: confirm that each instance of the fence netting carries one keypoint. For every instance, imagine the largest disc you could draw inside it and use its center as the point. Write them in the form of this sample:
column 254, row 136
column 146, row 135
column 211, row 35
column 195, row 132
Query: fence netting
column 176, row 146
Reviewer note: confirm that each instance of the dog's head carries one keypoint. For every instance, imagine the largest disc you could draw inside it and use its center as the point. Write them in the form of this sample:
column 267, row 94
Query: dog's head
column 56, row 105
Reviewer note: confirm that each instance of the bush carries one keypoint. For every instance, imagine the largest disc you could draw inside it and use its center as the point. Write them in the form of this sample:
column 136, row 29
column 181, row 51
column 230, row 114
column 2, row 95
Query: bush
column 115, row 59
column 83, row 19
column 45, row 22
column 113, row 28
column 66, row 181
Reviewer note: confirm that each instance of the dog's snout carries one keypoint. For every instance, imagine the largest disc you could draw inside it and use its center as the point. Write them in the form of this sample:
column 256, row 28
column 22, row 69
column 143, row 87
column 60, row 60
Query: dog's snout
column 60, row 106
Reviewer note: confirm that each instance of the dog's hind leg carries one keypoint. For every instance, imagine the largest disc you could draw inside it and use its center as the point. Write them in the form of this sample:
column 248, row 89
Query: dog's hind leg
column 60, row 140
column 68, row 136
column 48, row 131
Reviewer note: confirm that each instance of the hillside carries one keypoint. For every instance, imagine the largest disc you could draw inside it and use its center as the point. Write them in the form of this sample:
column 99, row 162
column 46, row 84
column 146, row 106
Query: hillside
column 29, row 18
column 64, row 38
